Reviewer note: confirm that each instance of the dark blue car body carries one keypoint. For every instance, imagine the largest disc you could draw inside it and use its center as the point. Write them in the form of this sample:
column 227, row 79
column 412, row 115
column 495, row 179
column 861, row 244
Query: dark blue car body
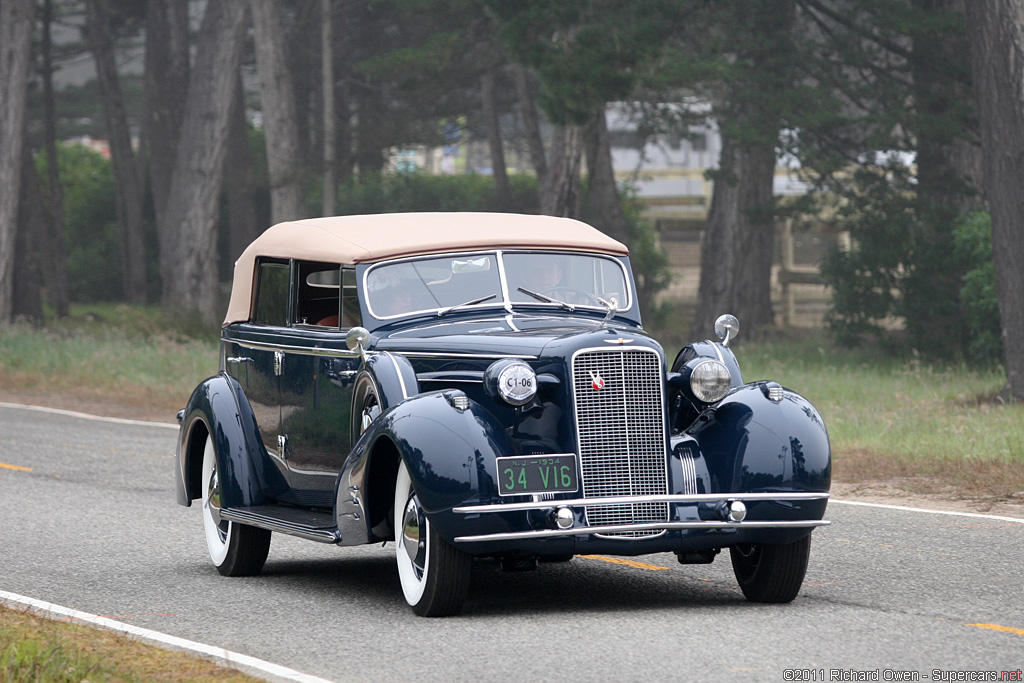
column 310, row 426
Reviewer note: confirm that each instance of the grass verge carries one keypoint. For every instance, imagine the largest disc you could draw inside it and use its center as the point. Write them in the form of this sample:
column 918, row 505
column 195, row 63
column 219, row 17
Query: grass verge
column 34, row 649
column 134, row 361
column 936, row 428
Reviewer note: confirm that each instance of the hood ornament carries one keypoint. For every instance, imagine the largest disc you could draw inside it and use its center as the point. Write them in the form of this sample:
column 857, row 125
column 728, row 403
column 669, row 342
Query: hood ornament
column 620, row 341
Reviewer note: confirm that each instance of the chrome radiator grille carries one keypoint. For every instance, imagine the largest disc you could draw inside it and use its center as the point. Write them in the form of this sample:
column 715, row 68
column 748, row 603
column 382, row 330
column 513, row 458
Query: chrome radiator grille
column 621, row 432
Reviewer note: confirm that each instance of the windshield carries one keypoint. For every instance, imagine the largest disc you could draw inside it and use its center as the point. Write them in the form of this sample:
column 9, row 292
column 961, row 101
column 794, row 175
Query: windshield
column 446, row 283
column 576, row 279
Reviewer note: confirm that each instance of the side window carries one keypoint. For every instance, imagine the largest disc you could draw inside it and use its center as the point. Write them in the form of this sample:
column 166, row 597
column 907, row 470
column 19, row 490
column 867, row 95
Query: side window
column 271, row 294
column 319, row 294
column 326, row 295
column 350, row 316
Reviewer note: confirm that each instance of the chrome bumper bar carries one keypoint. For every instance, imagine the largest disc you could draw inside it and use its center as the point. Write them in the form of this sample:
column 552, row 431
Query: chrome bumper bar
column 648, row 526
column 709, row 498
column 628, row 500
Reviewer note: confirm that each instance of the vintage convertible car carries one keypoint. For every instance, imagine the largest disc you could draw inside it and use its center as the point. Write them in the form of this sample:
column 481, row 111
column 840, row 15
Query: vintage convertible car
column 479, row 385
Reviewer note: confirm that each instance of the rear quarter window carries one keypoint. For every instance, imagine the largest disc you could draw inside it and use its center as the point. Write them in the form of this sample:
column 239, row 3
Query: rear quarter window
column 271, row 306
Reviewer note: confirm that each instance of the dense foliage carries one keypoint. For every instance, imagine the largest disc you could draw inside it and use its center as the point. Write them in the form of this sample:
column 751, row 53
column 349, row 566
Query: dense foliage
column 91, row 236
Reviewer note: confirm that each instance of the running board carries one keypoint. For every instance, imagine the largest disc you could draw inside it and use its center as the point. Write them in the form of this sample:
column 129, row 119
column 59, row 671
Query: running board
column 313, row 526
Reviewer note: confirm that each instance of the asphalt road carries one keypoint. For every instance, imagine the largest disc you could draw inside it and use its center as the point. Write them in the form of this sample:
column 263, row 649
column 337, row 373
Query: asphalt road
column 88, row 521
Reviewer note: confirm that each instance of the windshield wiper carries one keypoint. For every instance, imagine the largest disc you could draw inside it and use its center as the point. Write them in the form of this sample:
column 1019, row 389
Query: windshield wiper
column 482, row 299
column 548, row 299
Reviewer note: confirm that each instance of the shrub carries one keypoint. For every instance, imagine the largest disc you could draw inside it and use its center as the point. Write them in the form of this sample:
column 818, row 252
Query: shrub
column 90, row 223
column 905, row 263
column 978, row 295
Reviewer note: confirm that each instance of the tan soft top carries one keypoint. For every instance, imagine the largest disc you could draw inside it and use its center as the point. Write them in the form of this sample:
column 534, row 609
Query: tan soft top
column 359, row 239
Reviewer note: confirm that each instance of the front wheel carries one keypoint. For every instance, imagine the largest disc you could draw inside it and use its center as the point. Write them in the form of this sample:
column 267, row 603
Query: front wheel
column 771, row 573
column 235, row 549
column 434, row 574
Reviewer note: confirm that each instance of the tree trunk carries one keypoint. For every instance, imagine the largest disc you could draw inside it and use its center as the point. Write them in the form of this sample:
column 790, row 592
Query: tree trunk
column 493, row 124
column 16, row 21
column 603, row 205
column 737, row 246
column 736, row 250
column 279, row 113
column 996, row 31
column 188, row 255
column 932, row 287
column 238, row 177
column 52, row 247
column 166, row 88
column 948, row 165
column 560, row 188
column 128, row 185
column 531, row 122
column 330, row 117
column 32, row 223
column 369, row 143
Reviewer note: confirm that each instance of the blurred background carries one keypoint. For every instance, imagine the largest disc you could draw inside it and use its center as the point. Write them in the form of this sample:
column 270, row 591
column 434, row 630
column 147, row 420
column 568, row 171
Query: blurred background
column 826, row 165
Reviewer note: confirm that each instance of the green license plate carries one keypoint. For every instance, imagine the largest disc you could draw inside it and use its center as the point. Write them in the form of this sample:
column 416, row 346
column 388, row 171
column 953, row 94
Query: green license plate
column 555, row 473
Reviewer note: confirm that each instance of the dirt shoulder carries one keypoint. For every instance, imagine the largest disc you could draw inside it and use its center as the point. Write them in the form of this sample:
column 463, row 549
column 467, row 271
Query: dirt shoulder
column 896, row 492
column 886, row 491
column 103, row 406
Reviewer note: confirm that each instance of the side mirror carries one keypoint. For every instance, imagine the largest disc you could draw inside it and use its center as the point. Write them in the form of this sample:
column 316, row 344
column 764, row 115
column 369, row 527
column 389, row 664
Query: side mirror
column 354, row 340
column 727, row 328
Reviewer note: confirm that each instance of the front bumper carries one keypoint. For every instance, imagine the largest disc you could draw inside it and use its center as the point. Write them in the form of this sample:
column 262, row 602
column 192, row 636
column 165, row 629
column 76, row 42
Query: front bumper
column 708, row 506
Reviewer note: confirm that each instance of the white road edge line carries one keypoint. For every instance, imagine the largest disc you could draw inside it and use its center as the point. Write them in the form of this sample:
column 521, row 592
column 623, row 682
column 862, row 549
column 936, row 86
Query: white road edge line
column 235, row 660
column 87, row 416
column 977, row 515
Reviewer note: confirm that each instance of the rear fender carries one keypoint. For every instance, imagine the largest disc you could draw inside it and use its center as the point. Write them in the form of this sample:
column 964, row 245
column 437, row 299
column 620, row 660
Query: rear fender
column 218, row 407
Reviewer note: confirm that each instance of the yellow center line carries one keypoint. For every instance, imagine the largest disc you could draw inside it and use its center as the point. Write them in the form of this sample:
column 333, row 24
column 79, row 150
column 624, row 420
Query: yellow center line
column 628, row 563
column 997, row 627
column 15, row 467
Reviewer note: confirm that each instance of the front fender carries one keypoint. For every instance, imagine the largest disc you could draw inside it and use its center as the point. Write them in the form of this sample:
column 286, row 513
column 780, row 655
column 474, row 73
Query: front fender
column 218, row 408
column 753, row 444
column 710, row 349
column 447, row 450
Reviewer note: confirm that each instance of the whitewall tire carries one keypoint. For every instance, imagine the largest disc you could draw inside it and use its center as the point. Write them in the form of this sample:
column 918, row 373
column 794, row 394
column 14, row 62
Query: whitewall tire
column 434, row 574
column 235, row 549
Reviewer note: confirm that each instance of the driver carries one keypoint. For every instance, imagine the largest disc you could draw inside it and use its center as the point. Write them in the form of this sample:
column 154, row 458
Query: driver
column 543, row 273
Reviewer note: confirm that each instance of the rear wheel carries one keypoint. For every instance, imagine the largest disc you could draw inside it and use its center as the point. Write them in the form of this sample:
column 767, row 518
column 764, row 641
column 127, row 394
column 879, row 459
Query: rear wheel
column 235, row 549
column 771, row 573
column 433, row 573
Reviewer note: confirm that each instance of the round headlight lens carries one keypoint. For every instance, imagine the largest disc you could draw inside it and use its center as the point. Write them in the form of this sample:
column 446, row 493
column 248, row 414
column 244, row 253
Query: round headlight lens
column 517, row 383
column 710, row 381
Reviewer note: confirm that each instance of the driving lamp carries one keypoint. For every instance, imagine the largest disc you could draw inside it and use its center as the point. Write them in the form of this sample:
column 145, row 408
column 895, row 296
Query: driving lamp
column 512, row 380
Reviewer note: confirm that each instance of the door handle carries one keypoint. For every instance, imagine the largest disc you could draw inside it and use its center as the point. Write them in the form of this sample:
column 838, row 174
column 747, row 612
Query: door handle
column 240, row 359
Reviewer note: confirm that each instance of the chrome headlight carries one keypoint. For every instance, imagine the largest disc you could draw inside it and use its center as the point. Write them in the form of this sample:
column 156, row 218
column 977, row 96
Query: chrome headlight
column 512, row 380
column 710, row 380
